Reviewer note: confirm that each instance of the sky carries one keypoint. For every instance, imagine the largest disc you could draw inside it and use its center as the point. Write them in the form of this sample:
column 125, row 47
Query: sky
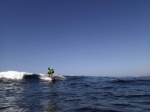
column 75, row 37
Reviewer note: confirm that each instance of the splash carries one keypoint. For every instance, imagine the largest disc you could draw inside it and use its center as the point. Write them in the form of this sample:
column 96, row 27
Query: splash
column 14, row 74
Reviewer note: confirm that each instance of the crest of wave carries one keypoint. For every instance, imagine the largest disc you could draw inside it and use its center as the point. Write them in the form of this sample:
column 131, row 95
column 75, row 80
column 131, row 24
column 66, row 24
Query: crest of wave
column 13, row 74
column 20, row 75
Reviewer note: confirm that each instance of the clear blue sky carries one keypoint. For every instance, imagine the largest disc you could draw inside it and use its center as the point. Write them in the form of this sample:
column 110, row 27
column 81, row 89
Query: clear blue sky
column 75, row 37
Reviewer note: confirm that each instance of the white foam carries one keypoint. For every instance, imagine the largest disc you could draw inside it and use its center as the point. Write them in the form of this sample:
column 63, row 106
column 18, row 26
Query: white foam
column 46, row 78
column 57, row 77
column 13, row 74
column 19, row 75
column 61, row 77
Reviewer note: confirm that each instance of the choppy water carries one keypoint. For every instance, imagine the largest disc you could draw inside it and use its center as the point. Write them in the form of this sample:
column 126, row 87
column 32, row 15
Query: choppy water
column 76, row 94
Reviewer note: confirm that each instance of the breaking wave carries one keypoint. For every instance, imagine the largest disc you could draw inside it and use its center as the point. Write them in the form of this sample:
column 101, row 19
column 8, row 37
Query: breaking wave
column 16, row 75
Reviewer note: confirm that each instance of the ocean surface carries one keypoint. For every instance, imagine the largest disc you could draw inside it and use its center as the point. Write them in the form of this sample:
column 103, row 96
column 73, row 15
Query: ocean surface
column 75, row 94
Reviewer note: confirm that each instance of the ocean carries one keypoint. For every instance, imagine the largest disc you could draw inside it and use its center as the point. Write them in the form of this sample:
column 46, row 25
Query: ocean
column 75, row 94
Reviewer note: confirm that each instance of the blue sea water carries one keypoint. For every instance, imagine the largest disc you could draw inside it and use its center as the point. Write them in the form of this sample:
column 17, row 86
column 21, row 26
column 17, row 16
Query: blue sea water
column 76, row 94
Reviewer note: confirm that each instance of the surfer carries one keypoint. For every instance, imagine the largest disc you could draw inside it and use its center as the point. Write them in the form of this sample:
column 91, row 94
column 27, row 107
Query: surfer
column 50, row 72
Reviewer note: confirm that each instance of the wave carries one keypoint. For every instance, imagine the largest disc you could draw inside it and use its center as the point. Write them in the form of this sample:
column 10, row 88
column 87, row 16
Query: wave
column 17, row 75
column 25, row 75
column 122, row 81
column 131, row 80
column 137, row 95
column 88, row 109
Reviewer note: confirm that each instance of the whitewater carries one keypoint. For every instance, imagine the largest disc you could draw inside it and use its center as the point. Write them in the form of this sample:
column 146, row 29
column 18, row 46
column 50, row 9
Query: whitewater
column 20, row 75
column 14, row 74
